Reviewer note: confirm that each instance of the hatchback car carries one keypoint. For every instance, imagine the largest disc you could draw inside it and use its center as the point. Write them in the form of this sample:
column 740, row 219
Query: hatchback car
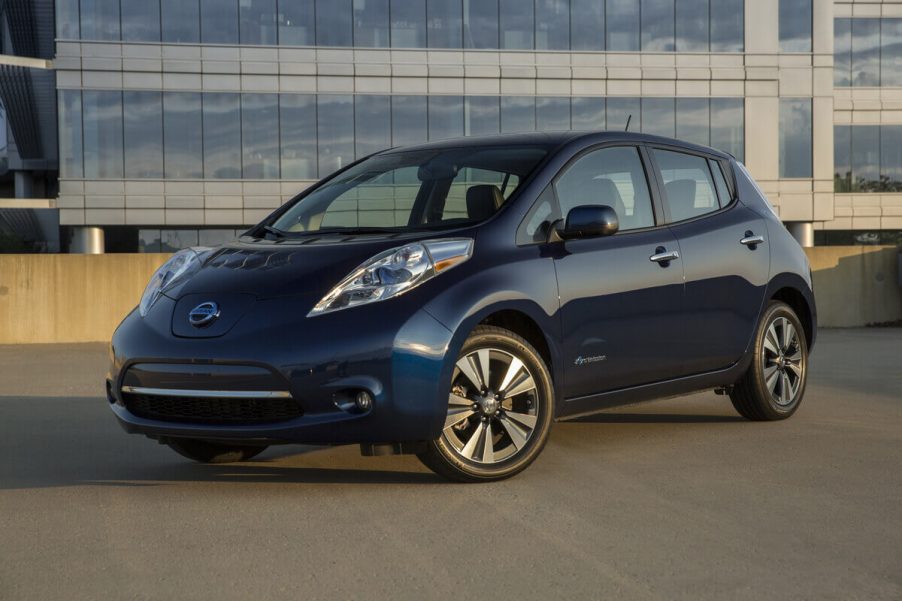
column 454, row 299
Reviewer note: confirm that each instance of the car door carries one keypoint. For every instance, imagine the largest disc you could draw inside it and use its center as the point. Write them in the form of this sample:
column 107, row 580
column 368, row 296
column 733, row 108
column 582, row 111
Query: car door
column 725, row 257
column 621, row 295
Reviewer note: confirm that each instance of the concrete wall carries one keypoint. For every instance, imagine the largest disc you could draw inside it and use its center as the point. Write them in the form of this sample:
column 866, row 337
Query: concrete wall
column 69, row 298
column 82, row 298
column 856, row 285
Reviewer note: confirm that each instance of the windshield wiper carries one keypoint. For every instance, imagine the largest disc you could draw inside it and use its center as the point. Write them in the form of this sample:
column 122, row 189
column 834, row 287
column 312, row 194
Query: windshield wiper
column 353, row 230
column 274, row 231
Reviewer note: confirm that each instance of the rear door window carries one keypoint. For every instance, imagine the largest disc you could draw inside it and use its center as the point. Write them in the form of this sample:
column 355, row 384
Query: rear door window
column 688, row 185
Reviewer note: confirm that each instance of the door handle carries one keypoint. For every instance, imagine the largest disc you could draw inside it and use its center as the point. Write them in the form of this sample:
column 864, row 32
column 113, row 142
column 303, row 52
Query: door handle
column 751, row 240
column 663, row 257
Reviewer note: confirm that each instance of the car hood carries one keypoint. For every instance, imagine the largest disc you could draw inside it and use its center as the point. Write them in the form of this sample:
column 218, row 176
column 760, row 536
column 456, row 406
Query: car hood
column 291, row 267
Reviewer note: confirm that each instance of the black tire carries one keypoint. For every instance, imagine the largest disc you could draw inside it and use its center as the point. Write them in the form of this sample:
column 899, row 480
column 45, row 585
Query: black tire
column 205, row 451
column 497, row 422
column 759, row 393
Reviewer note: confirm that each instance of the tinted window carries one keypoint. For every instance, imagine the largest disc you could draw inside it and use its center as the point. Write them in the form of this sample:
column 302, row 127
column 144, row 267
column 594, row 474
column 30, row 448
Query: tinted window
column 692, row 26
column 372, row 121
column 727, row 25
column 102, row 118
column 67, row 19
column 371, row 24
column 143, row 133
column 446, row 117
column 181, row 21
column 552, row 25
column 622, row 19
column 444, row 20
column 842, row 158
column 657, row 25
column 517, row 24
column 408, row 23
column 100, row 19
column 333, row 23
column 610, row 176
column 140, row 21
column 552, row 114
column 222, row 135
column 891, row 52
column 842, row 52
column 296, row 20
column 866, row 158
column 587, row 113
column 481, row 24
column 865, row 52
column 335, row 131
column 182, row 135
column 297, row 124
column 728, row 125
column 70, row 139
column 218, row 22
column 481, row 115
column 692, row 120
column 688, row 186
column 658, row 116
column 260, row 136
column 586, row 25
column 518, row 114
column 258, row 21
column 409, row 120
column 795, row 137
column 720, row 183
column 795, row 25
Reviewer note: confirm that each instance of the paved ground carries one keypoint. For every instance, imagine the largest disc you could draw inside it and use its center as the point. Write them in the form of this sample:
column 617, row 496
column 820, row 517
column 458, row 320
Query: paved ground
column 678, row 499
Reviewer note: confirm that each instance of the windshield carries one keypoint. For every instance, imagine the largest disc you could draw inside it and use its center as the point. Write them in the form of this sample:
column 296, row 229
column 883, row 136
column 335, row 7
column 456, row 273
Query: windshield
column 413, row 190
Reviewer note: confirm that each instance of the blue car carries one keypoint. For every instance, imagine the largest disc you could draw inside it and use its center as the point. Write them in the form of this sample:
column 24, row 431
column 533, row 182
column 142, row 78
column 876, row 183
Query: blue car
column 454, row 299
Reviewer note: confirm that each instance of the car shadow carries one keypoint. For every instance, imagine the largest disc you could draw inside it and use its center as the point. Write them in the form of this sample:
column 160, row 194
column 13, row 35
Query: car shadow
column 656, row 418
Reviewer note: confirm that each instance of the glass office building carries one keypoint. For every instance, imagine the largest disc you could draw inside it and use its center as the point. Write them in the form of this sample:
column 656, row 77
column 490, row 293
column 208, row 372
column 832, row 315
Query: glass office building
column 182, row 121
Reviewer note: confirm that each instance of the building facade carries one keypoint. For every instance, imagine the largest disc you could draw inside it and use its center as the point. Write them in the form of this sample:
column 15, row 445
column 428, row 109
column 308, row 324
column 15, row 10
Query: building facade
column 182, row 121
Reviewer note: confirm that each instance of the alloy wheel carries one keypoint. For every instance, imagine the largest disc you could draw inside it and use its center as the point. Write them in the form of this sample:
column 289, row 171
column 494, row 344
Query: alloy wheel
column 492, row 408
column 783, row 362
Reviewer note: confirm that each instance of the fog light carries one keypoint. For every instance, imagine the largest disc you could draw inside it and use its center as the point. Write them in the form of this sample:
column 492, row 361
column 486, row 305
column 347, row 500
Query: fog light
column 364, row 401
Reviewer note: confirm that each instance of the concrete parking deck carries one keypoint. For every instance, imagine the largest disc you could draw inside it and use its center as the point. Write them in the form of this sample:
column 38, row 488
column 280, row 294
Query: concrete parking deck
column 678, row 499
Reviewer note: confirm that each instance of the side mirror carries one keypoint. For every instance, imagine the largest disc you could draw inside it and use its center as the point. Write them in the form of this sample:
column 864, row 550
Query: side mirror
column 588, row 221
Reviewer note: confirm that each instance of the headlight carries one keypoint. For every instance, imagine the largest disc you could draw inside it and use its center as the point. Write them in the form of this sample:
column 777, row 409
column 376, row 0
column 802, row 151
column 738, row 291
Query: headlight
column 180, row 266
column 394, row 272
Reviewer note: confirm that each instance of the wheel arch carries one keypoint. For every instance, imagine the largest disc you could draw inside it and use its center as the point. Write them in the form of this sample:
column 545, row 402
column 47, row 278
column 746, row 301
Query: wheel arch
column 794, row 291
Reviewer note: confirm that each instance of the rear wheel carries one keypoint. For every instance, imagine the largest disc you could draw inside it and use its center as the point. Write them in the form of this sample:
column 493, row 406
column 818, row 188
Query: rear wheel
column 213, row 452
column 499, row 409
column 774, row 384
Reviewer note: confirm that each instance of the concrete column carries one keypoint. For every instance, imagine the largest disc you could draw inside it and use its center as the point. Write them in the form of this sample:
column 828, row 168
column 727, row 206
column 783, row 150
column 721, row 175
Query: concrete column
column 24, row 182
column 803, row 232
column 87, row 241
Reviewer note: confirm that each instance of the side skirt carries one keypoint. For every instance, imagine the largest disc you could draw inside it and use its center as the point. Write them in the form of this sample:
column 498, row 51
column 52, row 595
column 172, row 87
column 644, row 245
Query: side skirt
column 587, row 405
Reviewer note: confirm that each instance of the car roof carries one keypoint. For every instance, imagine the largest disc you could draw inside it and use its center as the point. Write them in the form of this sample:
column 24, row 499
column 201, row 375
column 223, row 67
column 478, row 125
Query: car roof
column 555, row 139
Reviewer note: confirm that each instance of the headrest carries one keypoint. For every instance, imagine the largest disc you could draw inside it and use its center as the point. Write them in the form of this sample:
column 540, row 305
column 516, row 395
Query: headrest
column 681, row 195
column 607, row 193
column 482, row 201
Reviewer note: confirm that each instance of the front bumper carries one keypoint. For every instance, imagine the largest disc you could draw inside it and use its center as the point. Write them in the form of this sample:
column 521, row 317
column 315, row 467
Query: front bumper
column 396, row 353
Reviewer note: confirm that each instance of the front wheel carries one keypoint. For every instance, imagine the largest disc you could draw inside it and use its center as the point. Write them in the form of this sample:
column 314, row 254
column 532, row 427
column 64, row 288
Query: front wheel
column 774, row 384
column 204, row 451
column 500, row 409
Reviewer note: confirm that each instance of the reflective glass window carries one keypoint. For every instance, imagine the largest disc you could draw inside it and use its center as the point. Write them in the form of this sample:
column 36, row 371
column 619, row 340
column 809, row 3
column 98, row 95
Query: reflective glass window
column 67, row 19
column 623, row 110
column 408, row 23
column 657, row 25
column 727, row 25
column 842, row 52
column 622, row 20
column 842, row 158
column 866, row 158
column 720, row 183
column 586, row 25
column 728, row 125
column 296, row 20
column 446, row 117
column 102, row 133
column 214, row 237
column 688, row 186
column 444, row 19
column 517, row 24
column 481, row 115
column 891, row 158
column 182, row 135
column 218, row 22
column 100, row 19
column 795, row 137
column 173, row 240
column 612, row 177
column 891, row 52
column 371, row 24
column 334, row 25
column 258, row 22
column 70, row 134
column 297, row 133
column 335, row 132
column 865, row 52
column 260, row 136
column 143, row 133
column 587, row 113
column 481, row 24
column 658, row 117
column 692, row 120
column 372, row 119
column 552, row 25
column 181, row 21
column 409, row 123
column 553, row 114
column 148, row 241
column 222, row 135
column 518, row 114
column 795, row 25
column 692, row 26
column 140, row 21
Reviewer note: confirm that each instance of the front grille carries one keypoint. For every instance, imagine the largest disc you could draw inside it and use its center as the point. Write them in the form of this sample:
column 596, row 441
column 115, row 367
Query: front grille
column 213, row 410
